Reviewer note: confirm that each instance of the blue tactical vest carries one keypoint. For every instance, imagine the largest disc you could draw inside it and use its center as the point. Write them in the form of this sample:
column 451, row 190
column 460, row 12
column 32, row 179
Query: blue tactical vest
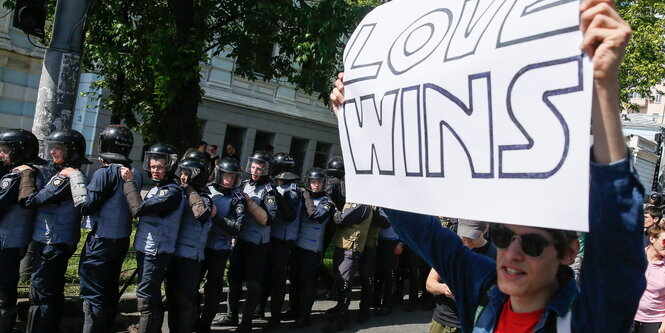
column 193, row 234
column 158, row 233
column 253, row 231
column 57, row 223
column 16, row 224
column 218, row 239
column 113, row 220
column 388, row 233
column 310, row 235
column 288, row 230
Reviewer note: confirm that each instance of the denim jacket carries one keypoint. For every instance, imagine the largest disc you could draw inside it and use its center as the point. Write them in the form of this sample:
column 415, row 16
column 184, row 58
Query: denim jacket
column 612, row 279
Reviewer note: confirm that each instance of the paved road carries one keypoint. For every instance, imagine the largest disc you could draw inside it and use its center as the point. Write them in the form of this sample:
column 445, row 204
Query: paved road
column 399, row 321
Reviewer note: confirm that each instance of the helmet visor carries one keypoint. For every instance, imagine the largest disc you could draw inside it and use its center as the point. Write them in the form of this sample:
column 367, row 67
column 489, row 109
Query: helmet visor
column 56, row 150
column 315, row 184
column 186, row 174
column 5, row 153
column 227, row 179
column 257, row 167
column 169, row 160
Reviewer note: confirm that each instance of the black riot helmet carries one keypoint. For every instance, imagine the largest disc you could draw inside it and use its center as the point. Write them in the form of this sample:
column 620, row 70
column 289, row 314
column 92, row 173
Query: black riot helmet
column 72, row 143
column 197, row 169
column 21, row 146
column 335, row 167
column 656, row 197
column 283, row 167
column 228, row 165
column 315, row 173
column 261, row 161
column 115, row 144
column 161, row 151
column 195, row 154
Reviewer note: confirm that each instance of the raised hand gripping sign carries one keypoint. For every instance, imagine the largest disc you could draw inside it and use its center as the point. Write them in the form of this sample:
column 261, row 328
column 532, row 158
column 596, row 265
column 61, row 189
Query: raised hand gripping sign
column 474, row 109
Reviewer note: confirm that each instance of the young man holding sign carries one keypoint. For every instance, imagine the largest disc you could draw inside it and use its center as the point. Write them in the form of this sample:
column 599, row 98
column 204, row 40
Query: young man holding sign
column 530, row 288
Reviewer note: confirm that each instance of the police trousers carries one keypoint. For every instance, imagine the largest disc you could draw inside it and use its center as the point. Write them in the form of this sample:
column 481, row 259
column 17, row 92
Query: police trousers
column 48, row 285
column 151, row 274
column 304, row 283
column 182, row 291
column 10, row 261
column 247, row 264
column 99, row 271
column 214, row 265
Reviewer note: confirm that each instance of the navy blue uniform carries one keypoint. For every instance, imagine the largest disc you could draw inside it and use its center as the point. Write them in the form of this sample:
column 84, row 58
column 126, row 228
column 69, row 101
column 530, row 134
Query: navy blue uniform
column 156, row 234
column 15, row 234
column 109, row 220
column 183, row 276
column 309, row 251
column 227, row 223
column 283, row 234
column 250, row 254
column 55, row 233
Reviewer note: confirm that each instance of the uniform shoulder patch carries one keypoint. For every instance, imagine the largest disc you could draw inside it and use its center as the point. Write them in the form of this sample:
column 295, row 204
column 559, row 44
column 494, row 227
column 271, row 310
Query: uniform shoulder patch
column 163, row 192
column 240, row 209
column 5, row 183
column 326, row 207
column 268, row 187
column 293, row 194
column 270, row 200
column 206, row 201
column 57, row 181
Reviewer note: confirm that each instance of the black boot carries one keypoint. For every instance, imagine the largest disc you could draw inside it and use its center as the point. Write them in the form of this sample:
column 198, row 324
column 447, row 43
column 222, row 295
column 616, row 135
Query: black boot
column 227, row 320
column 340, row 316
column 7, row 319
column 365, row 300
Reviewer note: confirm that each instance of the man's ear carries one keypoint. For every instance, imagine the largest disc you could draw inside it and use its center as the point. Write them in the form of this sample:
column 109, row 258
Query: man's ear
column 571, row 252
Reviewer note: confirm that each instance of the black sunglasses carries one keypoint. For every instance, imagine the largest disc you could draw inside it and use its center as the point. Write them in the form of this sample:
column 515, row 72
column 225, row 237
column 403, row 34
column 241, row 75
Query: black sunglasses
column 532, row 244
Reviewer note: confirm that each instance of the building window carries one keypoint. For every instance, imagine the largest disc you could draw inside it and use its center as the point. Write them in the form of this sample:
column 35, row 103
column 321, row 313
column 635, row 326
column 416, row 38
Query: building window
column 321, row 154
column 235, row 136
column 264, row 141
column 298, row 150
column 657, row 97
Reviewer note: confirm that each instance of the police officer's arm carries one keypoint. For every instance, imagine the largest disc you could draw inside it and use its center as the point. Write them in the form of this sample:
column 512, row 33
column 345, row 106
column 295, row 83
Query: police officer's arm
column 201, row 211
column 232, row 224
column 269, row 203
column 55, row 191
column 166, row 200
column 9, row 192
column 28, row 185
column 355, row 214
column 258, row 213
column 132, row 195
column 101, row 187
column 318, row 213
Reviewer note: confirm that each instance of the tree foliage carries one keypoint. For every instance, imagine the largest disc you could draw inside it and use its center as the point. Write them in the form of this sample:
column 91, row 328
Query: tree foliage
column 643, row 66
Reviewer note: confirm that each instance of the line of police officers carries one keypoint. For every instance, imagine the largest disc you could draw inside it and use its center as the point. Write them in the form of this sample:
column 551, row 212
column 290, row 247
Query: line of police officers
column 185, row 233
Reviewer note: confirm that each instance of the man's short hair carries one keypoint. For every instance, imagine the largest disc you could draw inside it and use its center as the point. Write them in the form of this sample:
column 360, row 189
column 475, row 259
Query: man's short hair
column 561, row 240
column 213, row 146
column 202, row 143
column 655, row 231
column 654, row 212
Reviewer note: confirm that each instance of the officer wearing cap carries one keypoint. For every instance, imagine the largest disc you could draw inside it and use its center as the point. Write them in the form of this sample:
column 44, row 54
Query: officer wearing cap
column 317, row 212
column 250, row 254
column 159, row 214
column 18, row 151
column 183, row 275
column 227, row 223
column 283, row 233
column 445, row 319
column 107, row 216
column 56, row 226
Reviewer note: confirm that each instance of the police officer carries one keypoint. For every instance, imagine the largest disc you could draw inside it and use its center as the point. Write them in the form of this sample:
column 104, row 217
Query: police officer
column 318, row 210
column 159, row 216
column 18, row 150
column 227, row 223
column 368, row 262
column 250, row 254
column 56, row 227
column 109, row 220
column 349, row 240
column 335, row 188
column 183, row 275
column 283, row 233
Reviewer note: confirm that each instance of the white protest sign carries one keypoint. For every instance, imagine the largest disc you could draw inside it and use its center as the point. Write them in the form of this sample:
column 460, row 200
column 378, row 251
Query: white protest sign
column 475, row 109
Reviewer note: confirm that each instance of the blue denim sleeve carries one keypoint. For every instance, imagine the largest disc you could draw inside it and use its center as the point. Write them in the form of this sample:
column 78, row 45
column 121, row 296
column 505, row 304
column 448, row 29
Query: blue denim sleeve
column 612, row 279
column 468, row 274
